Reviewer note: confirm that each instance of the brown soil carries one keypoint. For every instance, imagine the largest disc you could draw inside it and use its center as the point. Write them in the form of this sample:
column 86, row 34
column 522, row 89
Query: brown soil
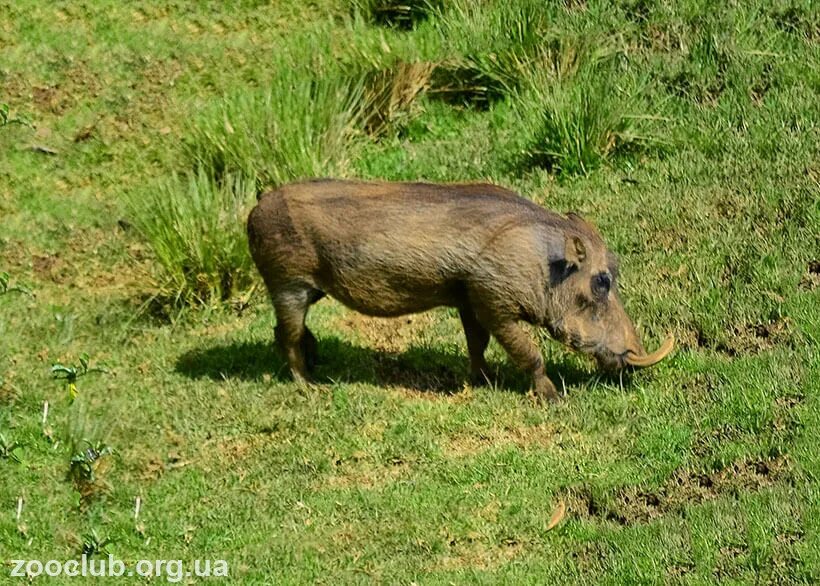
column 475, row 552
column 634, row 505
column 746, row 339
column 360, row 473
column 811, row 280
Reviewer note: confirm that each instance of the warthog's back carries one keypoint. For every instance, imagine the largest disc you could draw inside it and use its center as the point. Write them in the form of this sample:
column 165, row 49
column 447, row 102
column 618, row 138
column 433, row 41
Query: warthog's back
column 383, row 248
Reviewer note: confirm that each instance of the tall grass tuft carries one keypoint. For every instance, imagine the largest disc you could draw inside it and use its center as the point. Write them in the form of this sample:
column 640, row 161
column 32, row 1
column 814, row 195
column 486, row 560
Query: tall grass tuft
column 196, row 229
column 390, row 96
column 90, row 457
column 303, row 124
column 490, row 47
column 586, row 120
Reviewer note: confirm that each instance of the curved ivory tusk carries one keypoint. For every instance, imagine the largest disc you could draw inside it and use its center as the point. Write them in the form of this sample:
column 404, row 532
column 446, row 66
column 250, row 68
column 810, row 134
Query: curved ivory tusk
column 655, row 357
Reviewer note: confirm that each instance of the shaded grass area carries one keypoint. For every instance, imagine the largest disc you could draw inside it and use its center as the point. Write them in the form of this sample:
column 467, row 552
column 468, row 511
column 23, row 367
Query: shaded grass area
column 393, row 467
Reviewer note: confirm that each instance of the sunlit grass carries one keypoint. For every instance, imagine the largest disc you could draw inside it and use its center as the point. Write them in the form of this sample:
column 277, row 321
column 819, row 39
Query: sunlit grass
column 167, row 119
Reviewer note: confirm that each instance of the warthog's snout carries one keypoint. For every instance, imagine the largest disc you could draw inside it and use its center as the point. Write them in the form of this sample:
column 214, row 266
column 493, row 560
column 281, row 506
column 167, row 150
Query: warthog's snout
column 587, row 313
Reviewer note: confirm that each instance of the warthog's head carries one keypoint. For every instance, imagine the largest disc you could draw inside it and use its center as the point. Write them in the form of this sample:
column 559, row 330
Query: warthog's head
column 585, row 310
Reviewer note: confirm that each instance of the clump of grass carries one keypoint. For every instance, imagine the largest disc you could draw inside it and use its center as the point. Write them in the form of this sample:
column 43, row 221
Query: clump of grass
column 400, row 14
column 797, row 20
column 7, row 118
column 721, row 60
column 301, row 125
column 390, row 98
column 491, row 47
column 584, row 121
column 481, row 79
column 7, row 287
column 304, row 124
column 703, row 76
column 463, row 82
column 94, row 545
column 195, row 226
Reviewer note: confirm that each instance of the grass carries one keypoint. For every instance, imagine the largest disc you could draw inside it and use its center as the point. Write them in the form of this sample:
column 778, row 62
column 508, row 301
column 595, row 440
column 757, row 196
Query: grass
column 196, row 229
column 393, row 468
column 487, row 49
column 301, row 125
column 390, row 101
column 583, row 121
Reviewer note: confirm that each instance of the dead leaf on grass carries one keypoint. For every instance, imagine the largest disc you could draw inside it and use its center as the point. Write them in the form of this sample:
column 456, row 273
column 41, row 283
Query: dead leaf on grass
column 557, row 515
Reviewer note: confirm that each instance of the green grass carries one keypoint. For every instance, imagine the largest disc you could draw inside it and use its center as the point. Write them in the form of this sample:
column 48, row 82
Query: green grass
column 196, row 229
column 302, row 125
column 393, row 468
column 586, row 120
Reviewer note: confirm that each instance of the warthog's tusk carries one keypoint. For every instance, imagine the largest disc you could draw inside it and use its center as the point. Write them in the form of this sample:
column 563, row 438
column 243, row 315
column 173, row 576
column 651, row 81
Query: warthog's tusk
column 655, row 357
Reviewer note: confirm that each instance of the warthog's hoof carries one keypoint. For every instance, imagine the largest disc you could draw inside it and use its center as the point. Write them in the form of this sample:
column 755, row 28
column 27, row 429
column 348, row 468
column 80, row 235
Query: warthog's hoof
column 545, row 391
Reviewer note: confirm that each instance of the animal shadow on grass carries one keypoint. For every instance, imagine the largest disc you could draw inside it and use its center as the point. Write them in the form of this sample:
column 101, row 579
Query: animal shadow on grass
column 419, row 368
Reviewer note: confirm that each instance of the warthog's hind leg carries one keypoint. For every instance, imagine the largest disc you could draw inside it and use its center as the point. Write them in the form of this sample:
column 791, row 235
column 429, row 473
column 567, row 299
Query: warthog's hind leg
column 310, row 349
column 295, row 341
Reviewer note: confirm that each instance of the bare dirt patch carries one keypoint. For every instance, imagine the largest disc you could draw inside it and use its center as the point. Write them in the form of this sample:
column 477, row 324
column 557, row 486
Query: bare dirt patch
column 78, row 83
column 811, row 279
column 9, row 393
column 763, row 336
column 747, row 339
column 150, row 467
column 49, row 267
column 634, row 505
column 364, row 477
column 233, row 449
column 358, row 471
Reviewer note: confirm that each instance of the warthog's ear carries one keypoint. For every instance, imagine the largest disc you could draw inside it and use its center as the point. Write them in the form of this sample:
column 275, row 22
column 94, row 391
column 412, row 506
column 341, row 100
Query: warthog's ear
column 574, row 250
column 566, row 253
column 565, row 262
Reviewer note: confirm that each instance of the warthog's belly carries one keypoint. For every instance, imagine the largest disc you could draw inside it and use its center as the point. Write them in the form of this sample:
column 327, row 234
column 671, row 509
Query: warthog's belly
column 388, row 293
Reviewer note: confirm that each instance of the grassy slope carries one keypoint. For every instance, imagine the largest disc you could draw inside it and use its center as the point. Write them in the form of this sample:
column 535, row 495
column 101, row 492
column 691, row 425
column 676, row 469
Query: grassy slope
column 703, row 469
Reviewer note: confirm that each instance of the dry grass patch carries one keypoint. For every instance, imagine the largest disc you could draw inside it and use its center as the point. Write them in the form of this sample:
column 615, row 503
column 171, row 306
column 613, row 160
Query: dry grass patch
column 358, row 471
column 394, row 335
column 391, row 96
column 471, row 444
column 475, row 551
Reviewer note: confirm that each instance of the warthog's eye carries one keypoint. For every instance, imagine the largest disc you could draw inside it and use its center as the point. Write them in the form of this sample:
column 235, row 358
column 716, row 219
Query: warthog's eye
column 600, row 285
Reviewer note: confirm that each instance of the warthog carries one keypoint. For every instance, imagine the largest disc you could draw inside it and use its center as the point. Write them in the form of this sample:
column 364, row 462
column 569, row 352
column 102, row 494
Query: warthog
column 388, row 249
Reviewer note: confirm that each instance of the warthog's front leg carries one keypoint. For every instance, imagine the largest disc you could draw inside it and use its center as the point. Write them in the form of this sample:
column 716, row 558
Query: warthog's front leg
column 526, row 355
